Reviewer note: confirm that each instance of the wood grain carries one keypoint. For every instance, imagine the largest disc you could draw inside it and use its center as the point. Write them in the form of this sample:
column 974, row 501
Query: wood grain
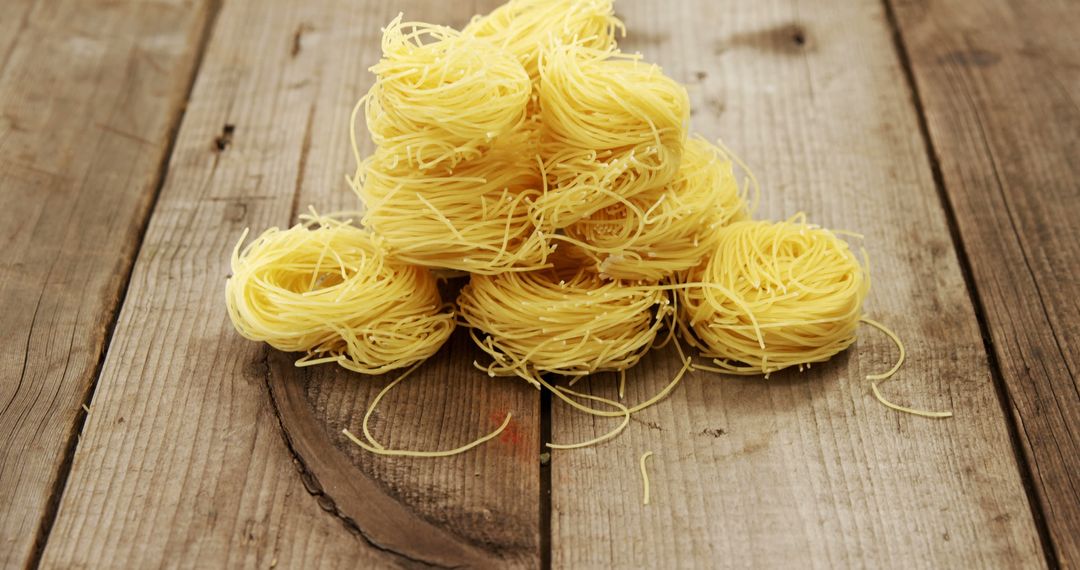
column 808, row 469
column 1000, row 87
column 184, row 436
column 90, row 94
column 479, row 509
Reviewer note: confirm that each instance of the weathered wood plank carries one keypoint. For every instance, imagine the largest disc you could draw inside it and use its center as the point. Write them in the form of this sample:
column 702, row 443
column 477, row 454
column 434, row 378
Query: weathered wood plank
column 809, row 470
column 1000, row 87
column 182, row 460
column 90, row 94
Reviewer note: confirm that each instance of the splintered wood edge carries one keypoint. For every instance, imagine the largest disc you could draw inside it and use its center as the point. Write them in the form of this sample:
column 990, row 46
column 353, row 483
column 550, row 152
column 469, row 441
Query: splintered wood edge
column 353, row 496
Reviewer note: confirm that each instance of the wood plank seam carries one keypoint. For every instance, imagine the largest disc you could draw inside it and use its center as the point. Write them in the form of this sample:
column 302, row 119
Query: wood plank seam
column 545, row 481
column 305, row 148
column 1007, row 407
column 15, row 41
column 52, row 505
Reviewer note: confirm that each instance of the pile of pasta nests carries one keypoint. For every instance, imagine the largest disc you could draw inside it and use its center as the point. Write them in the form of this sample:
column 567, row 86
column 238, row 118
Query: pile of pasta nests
column 527, row 151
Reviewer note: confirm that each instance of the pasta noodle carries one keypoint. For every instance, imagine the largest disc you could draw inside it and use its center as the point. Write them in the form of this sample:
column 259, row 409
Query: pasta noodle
column 656, row 234
column 644, row 477
column 613, row 128
column 877, row 379
column 373, row 446
column 325, row 287
column 561, row 320
column 524, row 27
column 472, row 218
column 441, row 97
column 780, row 294
column 600, row 439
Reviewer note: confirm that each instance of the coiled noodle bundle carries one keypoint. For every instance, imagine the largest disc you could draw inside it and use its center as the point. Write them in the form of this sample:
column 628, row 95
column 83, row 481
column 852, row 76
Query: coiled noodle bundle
column 324, row 287
column 773, row 295
column 656, row 234
column 524, row 27
column 613, row 128
column 440, row 96
column 474, row 217
column 561, row 320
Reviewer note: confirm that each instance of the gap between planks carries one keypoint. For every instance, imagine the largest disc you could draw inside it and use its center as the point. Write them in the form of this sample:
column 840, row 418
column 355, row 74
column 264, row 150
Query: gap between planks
column 545, row 480
column 1026, row 473
column 52, row 506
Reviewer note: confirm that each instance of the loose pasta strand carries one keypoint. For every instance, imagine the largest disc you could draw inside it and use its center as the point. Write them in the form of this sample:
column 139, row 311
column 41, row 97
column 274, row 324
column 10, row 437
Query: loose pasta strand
column 373, row 446
column 645, row 477
column 884, row 377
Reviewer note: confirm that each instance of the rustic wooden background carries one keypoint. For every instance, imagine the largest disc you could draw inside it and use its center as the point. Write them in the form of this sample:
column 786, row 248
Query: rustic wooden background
column 137, row 430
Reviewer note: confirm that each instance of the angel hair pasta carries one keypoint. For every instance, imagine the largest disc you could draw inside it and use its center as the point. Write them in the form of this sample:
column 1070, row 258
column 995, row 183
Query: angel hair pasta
column 473, row 217
column 441, row 97
column 613, row 128
column 325, row 287
column 655, row 234
column 524, row 27
column 773, row 295
column 563, row 320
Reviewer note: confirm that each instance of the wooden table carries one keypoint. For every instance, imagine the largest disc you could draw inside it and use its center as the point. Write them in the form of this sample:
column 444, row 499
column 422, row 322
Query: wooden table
column 137, row 430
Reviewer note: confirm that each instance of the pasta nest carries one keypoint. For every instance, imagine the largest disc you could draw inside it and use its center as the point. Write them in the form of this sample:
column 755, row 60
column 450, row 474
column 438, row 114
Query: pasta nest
column 773, row 295
column 613, row 127
column 653, row 235
column 441, row 96
column 325, row 287
column 562, row 320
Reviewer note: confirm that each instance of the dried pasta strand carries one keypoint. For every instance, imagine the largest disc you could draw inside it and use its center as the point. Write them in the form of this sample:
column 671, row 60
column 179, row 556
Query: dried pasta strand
column 446, row 453
column 645, row 477
column 883, row 377
column 373, row 446
column 632, row 409
column 600, row 439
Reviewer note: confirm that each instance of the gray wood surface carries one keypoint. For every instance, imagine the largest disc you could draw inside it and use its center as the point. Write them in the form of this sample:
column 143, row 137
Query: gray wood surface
column 1000, row 86
column 182, row 462
column 90, row 95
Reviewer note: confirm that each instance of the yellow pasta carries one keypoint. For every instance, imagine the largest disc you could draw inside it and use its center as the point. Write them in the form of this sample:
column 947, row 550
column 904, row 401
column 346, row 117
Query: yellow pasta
column 473, row 217
column 779, row 294
column 524, row 27
column 372, row 445
column 441, row 97
column 325, row 287
column 656, row 234
column 564, row 392
column 644, row 477
column 531, row 154
column 561, row 320
column 613, row 128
